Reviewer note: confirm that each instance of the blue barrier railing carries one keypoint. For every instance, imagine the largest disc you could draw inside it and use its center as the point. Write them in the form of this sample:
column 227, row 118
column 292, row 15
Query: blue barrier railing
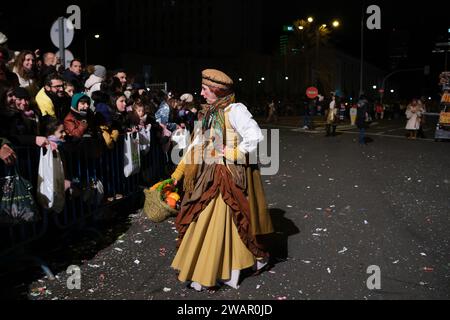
column 87, row 162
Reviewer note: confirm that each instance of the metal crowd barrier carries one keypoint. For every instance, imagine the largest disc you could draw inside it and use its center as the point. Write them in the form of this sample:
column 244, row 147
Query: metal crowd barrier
column 86, row 162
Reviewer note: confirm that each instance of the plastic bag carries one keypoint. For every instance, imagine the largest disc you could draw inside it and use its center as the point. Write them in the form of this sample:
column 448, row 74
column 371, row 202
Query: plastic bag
column 145, row 138
column 16, row 200
column 181, row 138
column 51, row 192
column 132, row 157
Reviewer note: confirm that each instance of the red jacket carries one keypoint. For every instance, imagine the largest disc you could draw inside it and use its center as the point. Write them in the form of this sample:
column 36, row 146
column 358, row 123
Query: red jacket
column 75, row 126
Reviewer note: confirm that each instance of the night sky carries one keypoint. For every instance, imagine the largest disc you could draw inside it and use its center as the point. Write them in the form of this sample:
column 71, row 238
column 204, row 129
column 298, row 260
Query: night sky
column 426, row 24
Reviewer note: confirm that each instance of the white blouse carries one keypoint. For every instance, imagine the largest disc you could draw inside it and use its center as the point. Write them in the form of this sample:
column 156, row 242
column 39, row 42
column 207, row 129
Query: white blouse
column 247, row 128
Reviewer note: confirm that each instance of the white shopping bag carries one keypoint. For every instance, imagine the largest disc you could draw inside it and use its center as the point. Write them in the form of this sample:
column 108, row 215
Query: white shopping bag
column 181, row 138
column 145, row 139
column 51, row 192
column 132, row 157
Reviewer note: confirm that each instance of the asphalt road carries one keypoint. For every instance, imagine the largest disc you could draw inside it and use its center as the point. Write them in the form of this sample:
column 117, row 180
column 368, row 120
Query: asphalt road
column 338, row 209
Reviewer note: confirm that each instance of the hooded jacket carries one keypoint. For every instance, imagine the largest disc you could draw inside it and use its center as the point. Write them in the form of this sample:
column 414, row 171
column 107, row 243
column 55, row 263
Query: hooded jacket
column 93, row 84
column 76, row 125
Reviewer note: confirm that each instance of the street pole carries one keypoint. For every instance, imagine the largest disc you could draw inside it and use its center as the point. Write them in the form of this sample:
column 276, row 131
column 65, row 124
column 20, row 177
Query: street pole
column 317, row 57
column 62, row 45
column 361, row 79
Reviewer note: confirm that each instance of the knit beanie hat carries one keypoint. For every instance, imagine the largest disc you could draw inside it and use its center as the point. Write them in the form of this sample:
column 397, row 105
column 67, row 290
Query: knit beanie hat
column 100, row 71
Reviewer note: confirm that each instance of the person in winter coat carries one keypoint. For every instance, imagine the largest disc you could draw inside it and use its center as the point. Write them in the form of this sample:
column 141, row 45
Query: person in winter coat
column 80, row 118
column 52, row 100
column 95, row 80
column 332, row 117
column 414, row 116
column 26, row 71
column 103, row 118
column 74, row 75
column 19, row 125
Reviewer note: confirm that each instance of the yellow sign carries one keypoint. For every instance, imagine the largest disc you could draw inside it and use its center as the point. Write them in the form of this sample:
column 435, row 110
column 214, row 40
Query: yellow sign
column 445, row 118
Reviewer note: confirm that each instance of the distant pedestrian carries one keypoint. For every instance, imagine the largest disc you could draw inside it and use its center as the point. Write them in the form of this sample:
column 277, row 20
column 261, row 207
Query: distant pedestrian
column 361, row 119
column 353, row 114
column 379, row 111
column 332, row 118
column 272, row 113
column 414, row 116
column 309, row 113
column 423, row 109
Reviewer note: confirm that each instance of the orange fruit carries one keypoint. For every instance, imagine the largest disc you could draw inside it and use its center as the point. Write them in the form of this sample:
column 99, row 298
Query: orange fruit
column 171, row 202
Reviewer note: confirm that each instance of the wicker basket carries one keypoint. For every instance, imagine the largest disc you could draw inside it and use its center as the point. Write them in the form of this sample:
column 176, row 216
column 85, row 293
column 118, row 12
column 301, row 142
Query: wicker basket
column 155, row 208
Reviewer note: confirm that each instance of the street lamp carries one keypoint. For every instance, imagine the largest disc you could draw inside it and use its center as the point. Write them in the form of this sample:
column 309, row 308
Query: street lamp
column 96, row 36
column 374, row 87
column 311, row 34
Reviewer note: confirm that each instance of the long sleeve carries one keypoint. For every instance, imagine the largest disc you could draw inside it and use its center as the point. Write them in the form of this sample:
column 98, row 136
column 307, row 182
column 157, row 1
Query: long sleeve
column 45, row 104
column 244, row 124
column 179, row 172
column 163, row 117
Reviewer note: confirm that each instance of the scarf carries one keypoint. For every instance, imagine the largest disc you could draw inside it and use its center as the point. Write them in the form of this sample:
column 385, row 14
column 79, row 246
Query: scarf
column 214, row 120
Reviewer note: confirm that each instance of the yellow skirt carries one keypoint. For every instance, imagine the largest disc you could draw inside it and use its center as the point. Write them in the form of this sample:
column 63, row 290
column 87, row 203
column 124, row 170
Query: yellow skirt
column 211, row 248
